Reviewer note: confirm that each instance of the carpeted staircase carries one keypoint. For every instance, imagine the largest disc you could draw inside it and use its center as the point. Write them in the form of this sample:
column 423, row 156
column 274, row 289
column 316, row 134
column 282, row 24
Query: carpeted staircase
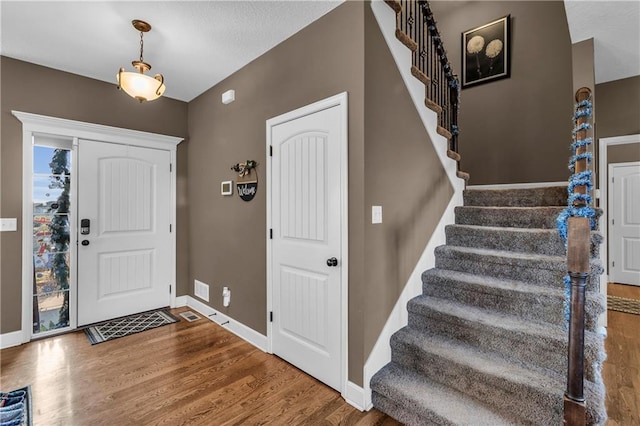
column 486, row 342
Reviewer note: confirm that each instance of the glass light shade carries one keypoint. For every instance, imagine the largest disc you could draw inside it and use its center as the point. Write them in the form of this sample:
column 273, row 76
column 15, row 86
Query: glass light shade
column 140, row 86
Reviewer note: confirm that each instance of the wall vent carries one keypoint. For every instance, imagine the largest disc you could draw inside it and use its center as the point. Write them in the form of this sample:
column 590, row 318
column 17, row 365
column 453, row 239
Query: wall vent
column 201, row 290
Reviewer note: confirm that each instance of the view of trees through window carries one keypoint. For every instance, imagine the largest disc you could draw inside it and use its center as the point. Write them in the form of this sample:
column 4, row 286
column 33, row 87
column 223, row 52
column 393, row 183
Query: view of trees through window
column 51, row 238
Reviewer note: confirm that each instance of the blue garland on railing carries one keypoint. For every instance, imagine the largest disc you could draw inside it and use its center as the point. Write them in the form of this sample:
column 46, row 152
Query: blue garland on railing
column 582, row 179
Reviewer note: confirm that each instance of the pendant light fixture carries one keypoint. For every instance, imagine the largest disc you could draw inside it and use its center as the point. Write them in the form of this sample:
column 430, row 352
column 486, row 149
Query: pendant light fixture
column 137, row 84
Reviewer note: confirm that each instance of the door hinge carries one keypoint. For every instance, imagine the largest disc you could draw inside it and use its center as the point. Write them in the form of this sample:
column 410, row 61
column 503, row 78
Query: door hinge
column 613, row 221
column 270, row 316
column 170, row 167
column 613, row 179
column 270, row 150
column 613, row 263
column 170, row 228
column 169, row 288
column 271, row 233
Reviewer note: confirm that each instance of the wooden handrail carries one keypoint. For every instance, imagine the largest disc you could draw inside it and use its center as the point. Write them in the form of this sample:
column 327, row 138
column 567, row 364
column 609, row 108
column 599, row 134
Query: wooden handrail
column 578, row 264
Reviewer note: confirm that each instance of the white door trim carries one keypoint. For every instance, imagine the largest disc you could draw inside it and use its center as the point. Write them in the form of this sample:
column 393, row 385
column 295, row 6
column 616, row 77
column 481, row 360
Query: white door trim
column 603, row 178
column 341, row 101
column 41, row 124
column 610, row 185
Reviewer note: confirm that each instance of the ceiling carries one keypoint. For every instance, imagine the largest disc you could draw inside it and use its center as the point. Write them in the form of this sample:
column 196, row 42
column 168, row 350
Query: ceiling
column 615, row 28
column 196, row 44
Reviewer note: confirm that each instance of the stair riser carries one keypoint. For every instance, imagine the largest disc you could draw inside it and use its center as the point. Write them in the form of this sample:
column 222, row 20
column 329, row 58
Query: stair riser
column 539, row 308
column 547, row 352
column 406, row 415
column 534, row 197
column 540, row 218
column 540, row 272
column 543, row 242
column 507, row 397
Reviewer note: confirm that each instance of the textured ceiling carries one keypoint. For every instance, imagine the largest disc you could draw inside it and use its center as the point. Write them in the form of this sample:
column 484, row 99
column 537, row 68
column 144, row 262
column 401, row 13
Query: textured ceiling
column 194, row 44
column 615, row 28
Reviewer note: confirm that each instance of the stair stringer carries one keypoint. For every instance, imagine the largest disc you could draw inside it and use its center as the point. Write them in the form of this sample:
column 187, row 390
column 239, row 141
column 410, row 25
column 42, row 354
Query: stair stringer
column 380, row 355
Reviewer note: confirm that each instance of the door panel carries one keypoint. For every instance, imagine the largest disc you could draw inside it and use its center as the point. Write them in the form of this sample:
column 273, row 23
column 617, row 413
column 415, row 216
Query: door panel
column 625, row 227
column 124, row 267
column 306, row 219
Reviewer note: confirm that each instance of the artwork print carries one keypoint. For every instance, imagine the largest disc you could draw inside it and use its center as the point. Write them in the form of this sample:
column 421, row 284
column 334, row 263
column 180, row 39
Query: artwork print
column 485, row 53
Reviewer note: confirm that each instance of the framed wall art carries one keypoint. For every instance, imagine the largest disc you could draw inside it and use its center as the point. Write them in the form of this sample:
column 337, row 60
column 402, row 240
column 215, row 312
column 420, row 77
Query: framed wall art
column 485, row 52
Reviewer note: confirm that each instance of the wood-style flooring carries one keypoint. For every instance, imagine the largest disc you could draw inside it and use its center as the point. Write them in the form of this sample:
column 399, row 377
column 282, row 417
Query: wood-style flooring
column 199, row 373
column 194, row 373
column 621, row 370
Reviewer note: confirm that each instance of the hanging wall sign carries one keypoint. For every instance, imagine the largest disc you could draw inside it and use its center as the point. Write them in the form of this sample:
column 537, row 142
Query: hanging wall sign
column 247, row 185
column 247, row 190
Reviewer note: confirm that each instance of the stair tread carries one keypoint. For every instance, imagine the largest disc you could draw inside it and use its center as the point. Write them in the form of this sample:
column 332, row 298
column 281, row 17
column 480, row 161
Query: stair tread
column 499, row 283
column 513, row 208
column 505, row 229
column 494, row 319
column 418, row 391
column 481, row 361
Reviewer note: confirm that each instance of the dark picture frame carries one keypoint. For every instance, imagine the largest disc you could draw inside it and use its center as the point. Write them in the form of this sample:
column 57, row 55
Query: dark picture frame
column 485, row 52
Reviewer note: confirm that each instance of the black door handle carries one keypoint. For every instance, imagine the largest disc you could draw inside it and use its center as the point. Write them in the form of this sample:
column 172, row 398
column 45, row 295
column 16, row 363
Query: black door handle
column 85, row 242
column 332, row 262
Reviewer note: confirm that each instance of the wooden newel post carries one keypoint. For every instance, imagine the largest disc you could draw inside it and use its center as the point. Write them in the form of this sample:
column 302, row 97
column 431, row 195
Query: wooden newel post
column 578, row 265
column 579, row 231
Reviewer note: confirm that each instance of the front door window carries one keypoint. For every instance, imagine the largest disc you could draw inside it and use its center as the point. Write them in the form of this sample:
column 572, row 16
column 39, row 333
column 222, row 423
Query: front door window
column 51, row 238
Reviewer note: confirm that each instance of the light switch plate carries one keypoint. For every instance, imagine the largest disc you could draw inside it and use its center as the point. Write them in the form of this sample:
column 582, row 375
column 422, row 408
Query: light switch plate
column 376, row 214
column 10, row 224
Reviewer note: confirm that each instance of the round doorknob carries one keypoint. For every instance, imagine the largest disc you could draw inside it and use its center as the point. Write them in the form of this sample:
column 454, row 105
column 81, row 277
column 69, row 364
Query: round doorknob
column 85, row 242
column 332, row 261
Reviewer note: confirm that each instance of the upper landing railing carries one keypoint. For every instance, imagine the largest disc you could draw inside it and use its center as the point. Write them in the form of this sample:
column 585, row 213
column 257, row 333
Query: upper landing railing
column 416, row 28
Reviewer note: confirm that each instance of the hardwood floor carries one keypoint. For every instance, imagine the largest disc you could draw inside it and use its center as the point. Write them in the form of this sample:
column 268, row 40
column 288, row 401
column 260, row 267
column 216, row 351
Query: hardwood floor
column 621, row 370
column 185, row 373
column 199, row 373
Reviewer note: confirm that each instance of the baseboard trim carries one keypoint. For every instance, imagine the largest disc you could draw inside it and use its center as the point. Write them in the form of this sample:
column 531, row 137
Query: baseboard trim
column 248, row 334
column 355, row 396
column 518, row 185
column 181, row 301
column 8, row 340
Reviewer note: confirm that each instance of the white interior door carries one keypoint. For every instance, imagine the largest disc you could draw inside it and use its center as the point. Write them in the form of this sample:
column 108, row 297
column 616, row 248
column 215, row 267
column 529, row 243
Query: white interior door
column 124, row 256
column 306, row 258
column 624, row 235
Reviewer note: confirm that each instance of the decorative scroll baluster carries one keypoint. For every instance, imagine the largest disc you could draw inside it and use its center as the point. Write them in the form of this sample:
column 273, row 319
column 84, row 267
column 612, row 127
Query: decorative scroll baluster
column 575, row 225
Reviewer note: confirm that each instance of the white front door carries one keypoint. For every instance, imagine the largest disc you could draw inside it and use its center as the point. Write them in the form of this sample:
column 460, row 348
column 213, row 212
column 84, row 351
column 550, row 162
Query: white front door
column 306, row 258
column 124, row 251
column 624, row 236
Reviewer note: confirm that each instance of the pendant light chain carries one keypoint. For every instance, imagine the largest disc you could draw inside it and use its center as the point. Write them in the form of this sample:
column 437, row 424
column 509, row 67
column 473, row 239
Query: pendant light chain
column 141, row 46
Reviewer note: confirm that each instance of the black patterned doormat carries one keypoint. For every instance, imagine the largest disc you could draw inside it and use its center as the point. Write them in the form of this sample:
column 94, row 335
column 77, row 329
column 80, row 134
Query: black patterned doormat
column 125, row 326
column 15, row 407
column 622, row 304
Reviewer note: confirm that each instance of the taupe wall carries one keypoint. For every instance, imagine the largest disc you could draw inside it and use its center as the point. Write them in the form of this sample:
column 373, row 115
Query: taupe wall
column 623, row 153
column 403, row 175
column 35, row 89
column 516, row 129
column 618, row 107
column 342, row 51
column 227, row 235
